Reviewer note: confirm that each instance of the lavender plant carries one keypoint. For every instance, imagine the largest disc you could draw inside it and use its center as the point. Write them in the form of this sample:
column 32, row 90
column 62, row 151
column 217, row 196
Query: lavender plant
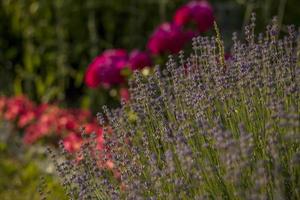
column 204, row 127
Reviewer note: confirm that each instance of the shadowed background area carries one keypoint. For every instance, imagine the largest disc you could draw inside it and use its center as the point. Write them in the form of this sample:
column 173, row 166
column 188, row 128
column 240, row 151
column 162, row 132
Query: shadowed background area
column 46, row 46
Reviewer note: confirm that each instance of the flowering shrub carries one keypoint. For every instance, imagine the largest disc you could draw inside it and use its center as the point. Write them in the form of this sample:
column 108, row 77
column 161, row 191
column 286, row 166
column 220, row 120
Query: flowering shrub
column 199, row 12
column 39, row 121
column 106, row 68
column 205, row 127
column 167, row 38
column 171, row 37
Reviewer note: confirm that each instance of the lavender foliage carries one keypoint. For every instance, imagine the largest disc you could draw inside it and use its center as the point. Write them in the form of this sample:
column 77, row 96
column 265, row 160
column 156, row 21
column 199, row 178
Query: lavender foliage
column 205, row 127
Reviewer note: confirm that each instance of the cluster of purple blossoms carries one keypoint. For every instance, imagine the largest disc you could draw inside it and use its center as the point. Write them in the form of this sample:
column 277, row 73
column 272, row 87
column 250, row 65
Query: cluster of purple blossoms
column 204, row 127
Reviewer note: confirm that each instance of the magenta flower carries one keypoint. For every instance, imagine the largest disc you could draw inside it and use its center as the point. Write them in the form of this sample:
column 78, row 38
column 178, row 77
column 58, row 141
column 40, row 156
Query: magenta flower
column 139, row 60
column 92, row 79
column 168, row 38
column 106, row 68
column 199, row 12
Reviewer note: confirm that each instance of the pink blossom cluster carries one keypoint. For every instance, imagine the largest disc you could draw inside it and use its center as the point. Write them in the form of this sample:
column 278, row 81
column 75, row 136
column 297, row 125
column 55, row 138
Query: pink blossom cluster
column 106, row 68
column 45, row 120
column 198, row 12
column 169, row 37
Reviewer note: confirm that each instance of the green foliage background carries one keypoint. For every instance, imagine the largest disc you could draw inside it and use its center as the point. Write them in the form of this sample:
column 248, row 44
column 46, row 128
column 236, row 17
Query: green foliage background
column 21, row 169
column 47, row 45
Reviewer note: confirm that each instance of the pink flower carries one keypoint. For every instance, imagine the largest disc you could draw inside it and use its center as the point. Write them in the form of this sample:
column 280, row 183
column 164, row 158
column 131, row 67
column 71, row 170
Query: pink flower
column 106, row 68
column 72, row 142
column 168, row 38
column 92, row 79
column 26, row 118
column 42, row 127
column 124, row 94
column 66, row 122
column 92, row 128
column 81, row 114
column 34, row 132
column 199, row 12
column 16, row 107
column 46, row 123
column 138, row 60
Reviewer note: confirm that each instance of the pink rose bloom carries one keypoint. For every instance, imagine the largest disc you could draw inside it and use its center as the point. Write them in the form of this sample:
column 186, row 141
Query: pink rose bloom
column 168, row 38
column 199, row 12
column 139, row 60
column 106, row 68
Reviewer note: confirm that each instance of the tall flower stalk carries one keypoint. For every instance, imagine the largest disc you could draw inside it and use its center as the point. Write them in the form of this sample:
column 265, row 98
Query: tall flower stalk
column 197, row 130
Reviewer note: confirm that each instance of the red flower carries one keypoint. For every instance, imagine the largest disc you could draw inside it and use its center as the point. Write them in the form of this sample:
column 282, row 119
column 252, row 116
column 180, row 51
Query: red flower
column 17, row 106
column 199, row 12
column 139, row 60
column 72, row 142
column 100, row 142
column 26, row 118
column 92, row 79
column 106, row 68
column 48, row 120
column 168, row 38
column 124, row 94
column 92, row 128
column 45, row 124
column 81, row 115
column 66, row 122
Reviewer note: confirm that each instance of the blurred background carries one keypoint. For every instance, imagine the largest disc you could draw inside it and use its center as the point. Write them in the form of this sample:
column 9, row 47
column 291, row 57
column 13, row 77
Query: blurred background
column 46, row 48
column 46, row 45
